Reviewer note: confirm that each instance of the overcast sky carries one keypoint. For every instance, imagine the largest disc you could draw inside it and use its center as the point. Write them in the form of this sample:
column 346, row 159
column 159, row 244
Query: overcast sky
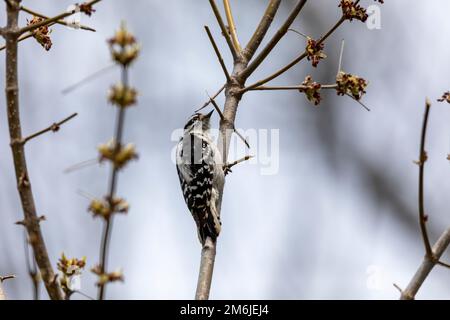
column 338, row 219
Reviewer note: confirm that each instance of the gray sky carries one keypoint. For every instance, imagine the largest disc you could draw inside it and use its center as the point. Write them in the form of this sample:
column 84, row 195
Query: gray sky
column 340, row 211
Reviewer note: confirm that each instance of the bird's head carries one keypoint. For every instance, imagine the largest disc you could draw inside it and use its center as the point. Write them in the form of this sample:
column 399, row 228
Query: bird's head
column 198, row 122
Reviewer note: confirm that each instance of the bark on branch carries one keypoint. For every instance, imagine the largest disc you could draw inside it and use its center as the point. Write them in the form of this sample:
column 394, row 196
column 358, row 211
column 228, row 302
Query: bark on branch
column 31, row 220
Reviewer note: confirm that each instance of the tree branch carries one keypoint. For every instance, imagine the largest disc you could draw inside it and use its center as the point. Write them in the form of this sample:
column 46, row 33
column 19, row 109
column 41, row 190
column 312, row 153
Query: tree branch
column 54, row 19
column 219, row 56
column 287, row 88
column 275, row 39
column 295, row 61
column 2, row 293
column 425, row 268
column 224, row 30
column 206, row 270
column 54, row 128
column 31, row 220
column 232, row 25
column 422, row 159
column 261, row 30
column 61, row 22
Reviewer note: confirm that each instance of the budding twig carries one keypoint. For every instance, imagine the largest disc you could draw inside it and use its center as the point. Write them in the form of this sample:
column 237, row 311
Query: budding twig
column 295, row 61
column 61, row 22
column 54, row 19
column 422, row 159
column 54, row 128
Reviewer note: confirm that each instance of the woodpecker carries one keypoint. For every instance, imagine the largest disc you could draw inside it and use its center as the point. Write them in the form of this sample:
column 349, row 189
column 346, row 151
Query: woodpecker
column 201, row 172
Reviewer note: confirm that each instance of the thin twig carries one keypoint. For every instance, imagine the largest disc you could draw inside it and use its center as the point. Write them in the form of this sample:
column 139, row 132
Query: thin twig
column 261, row 30
column 54, row 19
column 219, row 56
column 4, row 278
column 293, row 62
column 54, row 128
column 206, row 104
column 224, row 30
column 61, row 22
column 275, row 39
column 422, row 159
column 299, row 87
column 232, row 25
column 227, row 167
column 222, row 118
column 87, row 79
column 81, row 165
column 31, row 220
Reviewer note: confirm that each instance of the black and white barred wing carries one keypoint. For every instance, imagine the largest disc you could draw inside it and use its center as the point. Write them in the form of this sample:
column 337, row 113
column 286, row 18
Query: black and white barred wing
column 196, row 169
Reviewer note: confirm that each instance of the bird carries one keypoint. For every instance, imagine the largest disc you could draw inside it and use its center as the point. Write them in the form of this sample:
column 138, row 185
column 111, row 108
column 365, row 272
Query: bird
column 201, row 173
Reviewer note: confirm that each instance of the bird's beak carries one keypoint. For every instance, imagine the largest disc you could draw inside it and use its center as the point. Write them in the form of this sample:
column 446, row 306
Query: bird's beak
column 208, row 115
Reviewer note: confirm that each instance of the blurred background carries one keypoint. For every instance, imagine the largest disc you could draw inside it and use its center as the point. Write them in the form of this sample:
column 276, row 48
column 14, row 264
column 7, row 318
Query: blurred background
column 337, row 221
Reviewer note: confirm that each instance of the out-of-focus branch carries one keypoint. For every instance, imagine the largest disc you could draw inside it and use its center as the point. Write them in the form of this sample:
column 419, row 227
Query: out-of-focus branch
column 425, row 268
column 31, row 221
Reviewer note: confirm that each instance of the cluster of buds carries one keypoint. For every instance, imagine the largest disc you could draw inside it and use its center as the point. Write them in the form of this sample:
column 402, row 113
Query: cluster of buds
column 118, row 155
column 104, row 277
column 41, row 34
column 314, row 50
column 445, row 97
column 312, row 90
column 123, row 46
column 69, row 268
column 105, row 208
column 351, row 85
column 86, row 8
column 122, row 96
column 352, row 10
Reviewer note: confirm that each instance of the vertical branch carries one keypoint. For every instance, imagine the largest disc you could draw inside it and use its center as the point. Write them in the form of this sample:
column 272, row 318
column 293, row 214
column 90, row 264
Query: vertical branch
column 432, row 255
column 206, row 270
column 118, row 135
column 224, row 30
column 31, row 220
column 232, row 25
column 422, row 159
column 124, row 50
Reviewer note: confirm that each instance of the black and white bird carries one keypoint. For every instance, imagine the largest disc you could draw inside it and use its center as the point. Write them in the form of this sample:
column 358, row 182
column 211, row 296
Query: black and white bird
column 201, row 173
